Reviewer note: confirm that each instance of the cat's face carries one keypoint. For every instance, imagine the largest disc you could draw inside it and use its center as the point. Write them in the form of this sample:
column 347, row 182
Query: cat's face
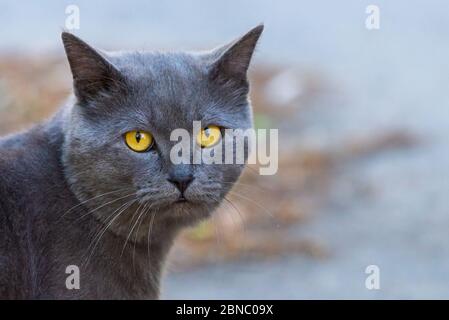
column 154, row 94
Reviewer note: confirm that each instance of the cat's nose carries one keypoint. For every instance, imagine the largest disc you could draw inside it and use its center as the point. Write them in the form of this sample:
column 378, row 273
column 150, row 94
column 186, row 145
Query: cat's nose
column 181, row 182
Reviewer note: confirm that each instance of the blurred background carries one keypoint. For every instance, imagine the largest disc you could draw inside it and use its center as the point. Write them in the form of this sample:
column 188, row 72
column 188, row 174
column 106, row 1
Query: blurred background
column 363, row 119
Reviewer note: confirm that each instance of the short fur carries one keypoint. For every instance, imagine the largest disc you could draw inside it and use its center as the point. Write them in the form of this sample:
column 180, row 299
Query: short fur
column 72, row 193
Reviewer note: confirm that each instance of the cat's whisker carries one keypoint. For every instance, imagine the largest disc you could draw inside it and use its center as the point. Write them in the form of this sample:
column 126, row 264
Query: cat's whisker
column 218, row 234
column 107, row 220
column 258, row 188
column 91, row 199
column 91, row 248
column 238, row 212
column 233, row 207
column 123, row 208
column 153, row 278
column 149, row 235
column 104, row 205
column 146, row 208
column 139, row 214
column 252, row 201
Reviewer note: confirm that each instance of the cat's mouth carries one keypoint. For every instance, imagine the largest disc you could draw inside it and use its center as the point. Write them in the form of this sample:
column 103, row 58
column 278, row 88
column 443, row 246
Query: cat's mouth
column 177, row 199
column 181, row 199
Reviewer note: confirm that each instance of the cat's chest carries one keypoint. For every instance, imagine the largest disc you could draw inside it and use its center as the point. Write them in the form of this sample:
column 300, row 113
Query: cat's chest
column 55, row 247
column 94, row 265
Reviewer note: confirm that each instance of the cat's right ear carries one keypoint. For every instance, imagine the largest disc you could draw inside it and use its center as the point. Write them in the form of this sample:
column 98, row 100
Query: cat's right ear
column 92, row 73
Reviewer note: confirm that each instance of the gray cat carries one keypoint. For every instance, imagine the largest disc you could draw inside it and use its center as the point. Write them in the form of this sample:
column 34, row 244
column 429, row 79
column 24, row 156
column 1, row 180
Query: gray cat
column 94, row 187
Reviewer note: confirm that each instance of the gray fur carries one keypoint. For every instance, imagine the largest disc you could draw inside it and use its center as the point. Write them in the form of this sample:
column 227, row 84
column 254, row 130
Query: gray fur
column 62, row 181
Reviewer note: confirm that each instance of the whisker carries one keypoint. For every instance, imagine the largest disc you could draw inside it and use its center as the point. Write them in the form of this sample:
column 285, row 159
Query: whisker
column 146, row 208
column 132, row 228
column 259, row 188
column 252, row 201
column 104, row 205
column 101, row 233
column 238, row 212
column 234, row 208
column 152, row 277
column 149, row 235
column 88, row 200
column 218, row 233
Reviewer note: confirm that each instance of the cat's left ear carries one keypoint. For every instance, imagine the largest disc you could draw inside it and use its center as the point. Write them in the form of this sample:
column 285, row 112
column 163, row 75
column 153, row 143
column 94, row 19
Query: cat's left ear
column 92, row 73
column 232, row 60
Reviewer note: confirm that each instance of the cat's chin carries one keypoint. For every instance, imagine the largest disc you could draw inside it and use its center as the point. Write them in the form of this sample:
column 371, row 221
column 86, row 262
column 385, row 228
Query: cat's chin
column 164, row 218
column 181, row 201
column 186, row 213
column 189, row 209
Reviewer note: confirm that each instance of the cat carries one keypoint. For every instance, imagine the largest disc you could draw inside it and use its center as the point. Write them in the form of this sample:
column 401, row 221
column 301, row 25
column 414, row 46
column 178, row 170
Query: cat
column 93, row 187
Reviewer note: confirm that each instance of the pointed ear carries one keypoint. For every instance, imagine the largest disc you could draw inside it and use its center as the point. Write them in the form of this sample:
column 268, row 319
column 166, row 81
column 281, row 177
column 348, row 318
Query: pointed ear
column 232, row 60
column 91, row 72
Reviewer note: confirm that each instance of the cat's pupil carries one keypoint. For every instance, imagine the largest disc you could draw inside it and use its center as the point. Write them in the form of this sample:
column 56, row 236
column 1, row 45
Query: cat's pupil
column 138, row 136
column 207, row 131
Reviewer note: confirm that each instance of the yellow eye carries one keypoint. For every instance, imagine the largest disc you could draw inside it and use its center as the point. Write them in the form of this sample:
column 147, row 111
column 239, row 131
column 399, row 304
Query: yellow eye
column 209, row 136
column 139, row 141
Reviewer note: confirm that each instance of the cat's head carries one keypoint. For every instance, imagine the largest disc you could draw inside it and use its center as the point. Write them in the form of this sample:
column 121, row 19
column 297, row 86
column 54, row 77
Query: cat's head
column 117, row 133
